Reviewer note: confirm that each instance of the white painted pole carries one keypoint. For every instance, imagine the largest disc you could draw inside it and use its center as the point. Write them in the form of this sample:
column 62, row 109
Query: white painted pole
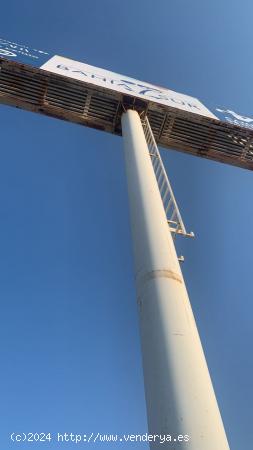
column 179, row 394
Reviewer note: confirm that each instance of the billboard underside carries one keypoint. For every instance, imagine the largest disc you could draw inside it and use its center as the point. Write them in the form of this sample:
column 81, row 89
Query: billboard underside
column 86, row 103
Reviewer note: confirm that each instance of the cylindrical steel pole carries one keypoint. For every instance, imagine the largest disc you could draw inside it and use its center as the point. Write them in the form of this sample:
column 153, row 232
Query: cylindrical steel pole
column 181, row 403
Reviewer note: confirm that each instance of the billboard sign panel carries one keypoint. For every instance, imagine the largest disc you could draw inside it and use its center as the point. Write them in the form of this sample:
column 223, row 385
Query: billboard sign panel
column 227, row 115
column 125, row 85
column 22, row 53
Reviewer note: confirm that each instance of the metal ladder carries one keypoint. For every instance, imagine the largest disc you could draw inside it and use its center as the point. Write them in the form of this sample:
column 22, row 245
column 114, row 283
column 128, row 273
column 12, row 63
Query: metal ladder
column 174, row 219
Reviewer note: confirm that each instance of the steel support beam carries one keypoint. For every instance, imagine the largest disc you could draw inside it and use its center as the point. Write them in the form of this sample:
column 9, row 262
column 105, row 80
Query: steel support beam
column 179, row 394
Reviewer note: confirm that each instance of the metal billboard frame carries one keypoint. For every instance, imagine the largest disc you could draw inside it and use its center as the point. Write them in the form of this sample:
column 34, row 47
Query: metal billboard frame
column 35, row 89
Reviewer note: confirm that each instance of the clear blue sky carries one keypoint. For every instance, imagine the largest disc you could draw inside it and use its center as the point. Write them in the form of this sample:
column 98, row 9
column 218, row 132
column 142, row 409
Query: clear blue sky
column 70, row 351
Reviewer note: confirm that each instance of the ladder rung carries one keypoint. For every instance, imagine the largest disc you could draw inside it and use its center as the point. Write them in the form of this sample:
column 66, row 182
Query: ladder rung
column 169, row 205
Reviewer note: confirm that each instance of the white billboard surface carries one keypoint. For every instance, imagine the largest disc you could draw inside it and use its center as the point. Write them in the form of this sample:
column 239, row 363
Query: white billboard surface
column 125, row 85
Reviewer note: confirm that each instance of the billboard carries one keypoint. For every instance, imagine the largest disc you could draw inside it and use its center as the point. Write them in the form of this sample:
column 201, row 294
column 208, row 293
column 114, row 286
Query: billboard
column 117, row 82
column 124, row 84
